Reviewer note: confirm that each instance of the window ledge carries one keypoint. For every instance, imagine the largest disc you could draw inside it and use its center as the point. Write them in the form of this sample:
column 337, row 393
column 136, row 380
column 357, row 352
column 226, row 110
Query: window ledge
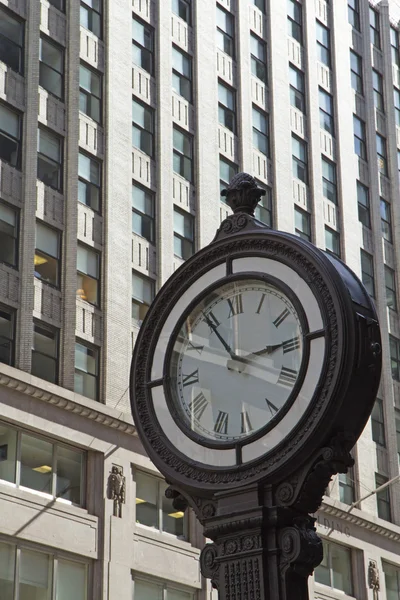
column 324, row 592
column 164, row 539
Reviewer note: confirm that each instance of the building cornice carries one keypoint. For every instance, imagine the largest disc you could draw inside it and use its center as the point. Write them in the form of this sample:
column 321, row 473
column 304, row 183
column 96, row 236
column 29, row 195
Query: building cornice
column 66, row 400
column 361, row 519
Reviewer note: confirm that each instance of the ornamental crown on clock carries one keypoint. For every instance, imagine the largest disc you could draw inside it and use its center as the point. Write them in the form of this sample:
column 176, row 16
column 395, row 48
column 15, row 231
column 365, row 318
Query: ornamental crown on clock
column 247, row 334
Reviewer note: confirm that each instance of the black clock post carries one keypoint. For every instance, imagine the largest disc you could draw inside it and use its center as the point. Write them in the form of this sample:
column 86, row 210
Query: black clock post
column 254, row 373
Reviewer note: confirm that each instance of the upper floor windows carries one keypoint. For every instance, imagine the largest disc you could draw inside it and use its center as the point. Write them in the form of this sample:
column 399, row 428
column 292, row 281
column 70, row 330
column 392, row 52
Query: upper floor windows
column 377, row 82
column 383, row 498
column 45, row 352
column 47, row 254
column 143, row 292
column 225, row 31
column 302, row 224
column 143, row 46
column 183, row 154
column 154, row 509
column 10, row 136
column 90, row 93
column 263, row 210
column 396, row 98
column 360, row 140
column 227, row 106
column 7, row 336
column 11, row 41
column 182, row 9
column 297, row 89
column 390, row 288
column 51, row 67
column 356, row 72
column 260, row 4
column 89, row 184
column 227, row 170
column 88, row 275
column 386, row 220
column 364, row 213
column 8, row 235
column 299, row 159
column 353, row 7
column 335, row 570
column 90, row 15
column 381, row 151
column 260, row 131
column 43, row 466
column 332, row 241
column 374, row 28
column 183, row 234
column 394, row 346
column 378, row 423
column 50, row 158
column 143, row 212
column 326, row 111
column 258, row 50
column 142, row 127
column 182, row 73
column 394, row 43
column 86, row 380
column 60, row 4
column 392, row 581
column 323, row 44
column 346, row 488
column 329, row 187
column 367, row 272
column 295, row 20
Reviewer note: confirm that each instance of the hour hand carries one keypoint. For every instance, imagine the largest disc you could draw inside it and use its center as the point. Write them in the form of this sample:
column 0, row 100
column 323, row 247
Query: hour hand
column 268, row 349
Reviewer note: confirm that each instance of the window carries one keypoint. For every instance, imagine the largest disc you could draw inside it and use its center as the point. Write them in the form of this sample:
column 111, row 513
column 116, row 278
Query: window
column 90, row 93
column 396, row 99
column 143, row 212
column 329, row 188
column 390, row 285
column 7, row 333
column 326, row 111
column 367, row 272
column 183, row 234
column 260, row 4
column 374, row 28
column 226, row 106
column 332, row 241
column 297, row 90
column 142, row 296
column 45, row 352
column 394, row 42
column 10, row 136
column 394, row 345
column 260, row 131
column 88, row 275
column 360, row 146
column 295, row 25
column 356, row 72
column 299, row 159
column 86, row 381
column 378, row 423
column 335, row 569
column 392, row 581
column 11, row 41
column 49, row 159
column 91, row 16
column 153, row 509
column 258, row 58
column 382, row 154
column 146, row 590
column 58, row 4
column 181, row 8
column 182, row 74
column 323, row 44
column 377, row 83
column 386, row 220
column 51, row 67
column 227, row 170
column 183, row 154
column 89, row 185
column 8, row 235
column 353, row 8
column 263, row 211
column 41, row 465
column 397, row 416
column 47, row 254
column 383, row 498
column 346, row 488
column 142, row 127
column 364, row 214
column 143, row 46
column 225, row 31
column 302, row 225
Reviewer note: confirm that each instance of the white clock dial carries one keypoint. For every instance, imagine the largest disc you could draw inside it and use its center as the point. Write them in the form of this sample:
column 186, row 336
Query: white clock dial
column 236, row 360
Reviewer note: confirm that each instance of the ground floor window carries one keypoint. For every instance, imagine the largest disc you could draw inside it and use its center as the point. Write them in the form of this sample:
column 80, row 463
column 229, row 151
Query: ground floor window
column 147, row 589
column 335, row 570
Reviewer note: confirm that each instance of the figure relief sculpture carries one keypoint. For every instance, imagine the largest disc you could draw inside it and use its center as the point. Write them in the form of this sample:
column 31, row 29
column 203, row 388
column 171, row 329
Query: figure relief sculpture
column 116, row 489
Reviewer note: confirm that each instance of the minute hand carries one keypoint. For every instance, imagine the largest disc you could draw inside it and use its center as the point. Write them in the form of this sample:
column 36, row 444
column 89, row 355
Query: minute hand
column 221, row 339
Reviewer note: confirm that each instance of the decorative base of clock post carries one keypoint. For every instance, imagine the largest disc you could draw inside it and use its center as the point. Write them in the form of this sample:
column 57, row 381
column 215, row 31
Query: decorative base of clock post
column 266, row 554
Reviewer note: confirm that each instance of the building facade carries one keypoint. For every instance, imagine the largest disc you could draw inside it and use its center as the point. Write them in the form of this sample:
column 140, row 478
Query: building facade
column 120, row 122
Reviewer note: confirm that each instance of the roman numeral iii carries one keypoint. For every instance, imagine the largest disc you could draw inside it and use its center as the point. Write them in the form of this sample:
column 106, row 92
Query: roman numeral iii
column 287, row 377
column 291, row 345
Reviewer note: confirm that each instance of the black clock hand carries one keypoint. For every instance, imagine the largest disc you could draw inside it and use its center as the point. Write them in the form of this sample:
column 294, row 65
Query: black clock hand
column 221, row 339
column 268, row 349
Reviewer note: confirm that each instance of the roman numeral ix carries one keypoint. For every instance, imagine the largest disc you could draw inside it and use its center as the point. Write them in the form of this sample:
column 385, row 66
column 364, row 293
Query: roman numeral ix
column 198, row 405
column 287, row 377
column 191, row 378
column 235, row 305
column 221, row 424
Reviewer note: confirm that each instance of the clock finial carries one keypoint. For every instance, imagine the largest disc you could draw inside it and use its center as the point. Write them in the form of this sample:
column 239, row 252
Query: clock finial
column 243, row 194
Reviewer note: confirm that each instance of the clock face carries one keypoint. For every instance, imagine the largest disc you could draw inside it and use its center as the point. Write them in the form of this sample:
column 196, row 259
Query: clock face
column 237, row 359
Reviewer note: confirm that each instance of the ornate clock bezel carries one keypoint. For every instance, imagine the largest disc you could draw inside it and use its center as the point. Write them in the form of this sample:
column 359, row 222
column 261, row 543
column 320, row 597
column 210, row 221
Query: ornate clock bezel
column 325, row 283
column 174, row 410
